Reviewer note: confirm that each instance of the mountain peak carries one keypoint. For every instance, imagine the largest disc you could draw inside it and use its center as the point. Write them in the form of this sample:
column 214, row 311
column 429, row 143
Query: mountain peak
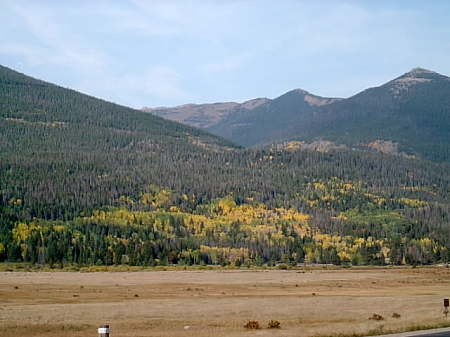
column 419, row 72
column 422, row 74
column 299, row 91
column 413, row 77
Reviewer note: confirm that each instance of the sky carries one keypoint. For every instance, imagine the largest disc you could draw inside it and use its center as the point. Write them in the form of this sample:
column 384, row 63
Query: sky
column 166, row 53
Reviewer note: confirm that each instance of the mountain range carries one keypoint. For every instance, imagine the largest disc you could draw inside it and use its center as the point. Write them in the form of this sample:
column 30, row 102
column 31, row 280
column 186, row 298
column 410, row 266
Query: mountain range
column 409, row 115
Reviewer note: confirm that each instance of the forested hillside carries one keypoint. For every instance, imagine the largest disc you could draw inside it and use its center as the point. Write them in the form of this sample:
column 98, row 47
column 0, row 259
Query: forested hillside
column 412, row 111
column 84, row 181
column 64, row 151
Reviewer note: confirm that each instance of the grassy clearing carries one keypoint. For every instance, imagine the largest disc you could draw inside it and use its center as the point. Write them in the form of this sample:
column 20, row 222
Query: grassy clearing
column 37, row 329
column 203, row 303
column 27, row 267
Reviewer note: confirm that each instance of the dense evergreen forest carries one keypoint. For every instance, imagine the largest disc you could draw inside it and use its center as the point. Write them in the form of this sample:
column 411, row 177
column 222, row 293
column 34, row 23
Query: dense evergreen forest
column 84, row 181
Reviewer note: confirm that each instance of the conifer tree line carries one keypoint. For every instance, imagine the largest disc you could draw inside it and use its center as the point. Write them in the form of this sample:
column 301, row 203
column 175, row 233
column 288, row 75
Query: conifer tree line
column 72, row 167
column 220, row 233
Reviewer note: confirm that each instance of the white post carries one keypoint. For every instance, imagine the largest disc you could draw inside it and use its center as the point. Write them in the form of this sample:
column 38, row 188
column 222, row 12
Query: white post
column 103, row 331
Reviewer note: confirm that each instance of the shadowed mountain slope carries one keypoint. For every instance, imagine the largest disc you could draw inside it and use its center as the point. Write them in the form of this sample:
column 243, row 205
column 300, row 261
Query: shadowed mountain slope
column 409, row 115
column 270, row 122
column 412, row 111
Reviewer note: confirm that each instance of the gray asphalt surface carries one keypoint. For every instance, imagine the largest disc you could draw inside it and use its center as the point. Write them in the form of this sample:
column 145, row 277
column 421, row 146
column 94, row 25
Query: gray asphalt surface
column 439, row 334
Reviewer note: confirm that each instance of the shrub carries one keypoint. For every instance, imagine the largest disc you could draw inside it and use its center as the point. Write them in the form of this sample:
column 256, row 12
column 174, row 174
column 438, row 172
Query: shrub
column 273, row 325
column 252, row 325
column 376, row 317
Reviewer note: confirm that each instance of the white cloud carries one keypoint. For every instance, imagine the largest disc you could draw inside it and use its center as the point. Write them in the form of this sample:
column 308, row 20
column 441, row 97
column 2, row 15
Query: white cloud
column 157, row 81
column 226, row 64
column 52, row 44
column 203, row 20
column 150, row 87
column 156, row 52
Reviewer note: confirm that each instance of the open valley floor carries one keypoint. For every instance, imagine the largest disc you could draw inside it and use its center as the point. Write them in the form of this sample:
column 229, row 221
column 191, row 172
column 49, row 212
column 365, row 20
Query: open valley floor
column 308, row 302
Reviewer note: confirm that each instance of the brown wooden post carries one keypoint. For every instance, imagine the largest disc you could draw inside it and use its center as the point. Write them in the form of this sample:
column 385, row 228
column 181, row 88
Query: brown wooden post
column 103, row 331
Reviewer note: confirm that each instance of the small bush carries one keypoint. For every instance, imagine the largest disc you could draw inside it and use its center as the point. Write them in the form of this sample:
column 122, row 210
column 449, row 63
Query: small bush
column 252, row 325
column 376, row 317
column 273, row 325
column 396, row 315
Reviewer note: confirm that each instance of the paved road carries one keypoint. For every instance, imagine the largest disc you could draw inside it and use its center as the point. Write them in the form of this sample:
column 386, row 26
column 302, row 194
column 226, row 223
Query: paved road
column 443, row 332
column 439, row 334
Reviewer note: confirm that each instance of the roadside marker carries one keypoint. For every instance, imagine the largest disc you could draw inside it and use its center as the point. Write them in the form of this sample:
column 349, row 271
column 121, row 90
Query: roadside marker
column 103, row 331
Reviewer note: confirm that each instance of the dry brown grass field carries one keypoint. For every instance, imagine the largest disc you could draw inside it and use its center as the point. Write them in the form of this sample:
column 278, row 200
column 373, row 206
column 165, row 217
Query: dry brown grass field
column 219, row 303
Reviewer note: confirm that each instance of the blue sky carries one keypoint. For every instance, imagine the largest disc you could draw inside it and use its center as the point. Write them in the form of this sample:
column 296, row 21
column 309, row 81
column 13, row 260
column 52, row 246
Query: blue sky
column 163, row 53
